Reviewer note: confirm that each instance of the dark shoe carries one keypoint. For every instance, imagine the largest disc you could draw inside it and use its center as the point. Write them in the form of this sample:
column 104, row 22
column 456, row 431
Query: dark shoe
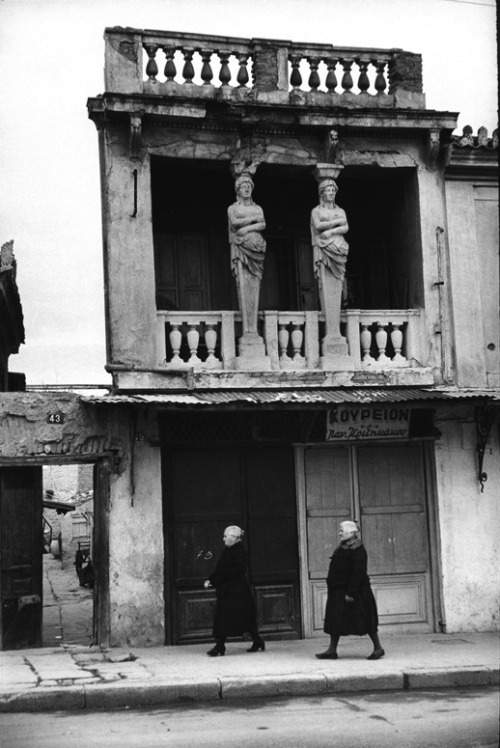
column 257, row 644
column 217, row 651
column 327, row 655
column 376, row 654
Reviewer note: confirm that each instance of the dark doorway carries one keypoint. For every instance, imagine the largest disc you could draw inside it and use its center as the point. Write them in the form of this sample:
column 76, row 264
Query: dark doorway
column 21, row 557
column 207, row 489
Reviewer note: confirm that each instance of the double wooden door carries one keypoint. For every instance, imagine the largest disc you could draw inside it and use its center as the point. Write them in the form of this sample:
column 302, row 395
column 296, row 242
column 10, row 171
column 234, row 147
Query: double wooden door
column 205, row 490
column 383, row 486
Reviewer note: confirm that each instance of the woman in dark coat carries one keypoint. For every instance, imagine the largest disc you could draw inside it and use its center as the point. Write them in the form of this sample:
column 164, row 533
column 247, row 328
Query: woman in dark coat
column 235, row 609
column 351, row 608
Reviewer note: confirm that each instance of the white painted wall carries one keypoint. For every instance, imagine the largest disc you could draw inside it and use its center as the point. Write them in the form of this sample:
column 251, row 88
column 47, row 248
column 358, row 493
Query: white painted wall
column 469, row 527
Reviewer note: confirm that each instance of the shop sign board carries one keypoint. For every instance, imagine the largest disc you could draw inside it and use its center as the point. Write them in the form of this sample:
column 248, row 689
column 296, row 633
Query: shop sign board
column 368, row 422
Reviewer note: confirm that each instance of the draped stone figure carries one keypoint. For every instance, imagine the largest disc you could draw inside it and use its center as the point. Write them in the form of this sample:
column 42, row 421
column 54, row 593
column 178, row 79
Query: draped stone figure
column 248, row 247
column 330, row 250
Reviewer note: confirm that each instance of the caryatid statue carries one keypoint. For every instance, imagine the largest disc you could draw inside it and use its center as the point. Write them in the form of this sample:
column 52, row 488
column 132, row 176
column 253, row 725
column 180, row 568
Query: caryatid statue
column 328, row 226
column 248, row 248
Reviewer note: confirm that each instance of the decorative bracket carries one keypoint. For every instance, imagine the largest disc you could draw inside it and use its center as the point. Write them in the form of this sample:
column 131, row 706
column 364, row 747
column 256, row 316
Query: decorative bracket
column 433, row 147
column 246, row 159
column 485, row 418
column 135, row 138
column 333, row 153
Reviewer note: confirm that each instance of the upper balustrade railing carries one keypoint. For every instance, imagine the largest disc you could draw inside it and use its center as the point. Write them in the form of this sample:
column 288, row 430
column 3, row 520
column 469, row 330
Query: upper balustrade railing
column 159, row 62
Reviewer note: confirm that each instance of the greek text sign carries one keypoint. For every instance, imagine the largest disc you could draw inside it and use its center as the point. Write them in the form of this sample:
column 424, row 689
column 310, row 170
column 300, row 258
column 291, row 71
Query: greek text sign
column 368, row 422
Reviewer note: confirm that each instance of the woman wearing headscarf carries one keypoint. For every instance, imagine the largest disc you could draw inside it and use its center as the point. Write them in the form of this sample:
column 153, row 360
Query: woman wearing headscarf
column 351, row 608
column 235, row 609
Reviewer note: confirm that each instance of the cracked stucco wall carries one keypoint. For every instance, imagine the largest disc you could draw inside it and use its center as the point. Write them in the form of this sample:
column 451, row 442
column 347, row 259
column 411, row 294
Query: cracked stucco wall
column 469, row 526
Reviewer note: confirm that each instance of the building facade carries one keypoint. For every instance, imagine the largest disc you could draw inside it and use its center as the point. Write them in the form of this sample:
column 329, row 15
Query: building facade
column 301, row 278
column 302, row 314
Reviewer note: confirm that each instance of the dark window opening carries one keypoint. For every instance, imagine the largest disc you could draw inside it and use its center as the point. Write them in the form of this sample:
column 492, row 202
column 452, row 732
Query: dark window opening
column 192, row 253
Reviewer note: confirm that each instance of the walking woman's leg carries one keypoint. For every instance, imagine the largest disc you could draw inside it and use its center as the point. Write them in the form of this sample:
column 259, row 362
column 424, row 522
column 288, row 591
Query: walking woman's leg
column 378, row 652
column 258, row 642
column 219, row 650
column 331, row 652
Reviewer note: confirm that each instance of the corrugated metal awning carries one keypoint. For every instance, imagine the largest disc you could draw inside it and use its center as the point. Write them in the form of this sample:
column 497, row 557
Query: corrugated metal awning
column 331, row 396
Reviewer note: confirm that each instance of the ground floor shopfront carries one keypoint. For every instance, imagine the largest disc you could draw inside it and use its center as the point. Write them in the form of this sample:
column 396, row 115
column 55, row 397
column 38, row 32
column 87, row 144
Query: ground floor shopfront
column 290, row 500
column 170, row 479
column 430, row 531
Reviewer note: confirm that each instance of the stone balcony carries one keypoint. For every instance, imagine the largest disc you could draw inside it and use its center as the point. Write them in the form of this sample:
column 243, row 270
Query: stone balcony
column 200, row 350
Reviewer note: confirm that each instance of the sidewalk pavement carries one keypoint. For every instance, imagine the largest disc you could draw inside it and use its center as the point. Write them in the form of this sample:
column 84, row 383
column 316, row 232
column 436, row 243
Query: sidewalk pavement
column 75, row 677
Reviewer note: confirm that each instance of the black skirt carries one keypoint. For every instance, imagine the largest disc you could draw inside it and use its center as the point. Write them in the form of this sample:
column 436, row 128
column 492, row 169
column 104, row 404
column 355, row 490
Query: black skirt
column 351, row 619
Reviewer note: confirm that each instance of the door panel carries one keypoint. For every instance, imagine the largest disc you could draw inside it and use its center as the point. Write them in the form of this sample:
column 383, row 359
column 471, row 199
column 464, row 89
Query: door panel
column 328, row 503
column 20, row 557
column 392, row 500
column 182, row 276
column 393, row 520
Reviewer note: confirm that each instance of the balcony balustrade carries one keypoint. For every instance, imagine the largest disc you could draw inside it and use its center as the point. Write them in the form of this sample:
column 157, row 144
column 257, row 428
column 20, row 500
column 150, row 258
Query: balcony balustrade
column 181, row 64
column 204, row 341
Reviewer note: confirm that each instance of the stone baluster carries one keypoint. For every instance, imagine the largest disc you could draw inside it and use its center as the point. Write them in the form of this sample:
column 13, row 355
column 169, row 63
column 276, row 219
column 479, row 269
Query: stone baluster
column 297, row 340
column 331, row 79
column 397, row 343
column 175, row 337
column 188, row 69
column 363, row 81
column 366, row 344
column 381, row 340
column 283, row 340
column 347, row 81
column 206, row 68
column 311, row 339
column 170, row 69
column 211, row 341
column 295, row 77
column 380, row 81
column 151, row 67
column 314, row 79
column 225, row 72
column 243, row 77
column 227, row 340
column 193, row 340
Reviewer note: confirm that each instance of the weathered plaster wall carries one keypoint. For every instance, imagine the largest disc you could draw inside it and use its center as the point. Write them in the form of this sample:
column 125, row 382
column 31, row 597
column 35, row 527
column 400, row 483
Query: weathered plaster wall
column 77, row 431
column 469, row 527
column 136, row 542
column 432, row 211
column 129, row 257
column 466, row 286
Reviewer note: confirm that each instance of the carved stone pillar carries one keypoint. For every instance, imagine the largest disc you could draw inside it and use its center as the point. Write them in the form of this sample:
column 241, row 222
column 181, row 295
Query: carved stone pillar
column 245, row 224
column 328, row 226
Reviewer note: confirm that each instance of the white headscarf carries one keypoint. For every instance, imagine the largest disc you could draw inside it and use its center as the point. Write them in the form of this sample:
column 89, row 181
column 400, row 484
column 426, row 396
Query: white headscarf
column 234, row 530
column 349, row 526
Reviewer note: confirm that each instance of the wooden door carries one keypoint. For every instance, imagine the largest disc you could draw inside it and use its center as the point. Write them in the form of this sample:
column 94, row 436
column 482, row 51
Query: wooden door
column 384, row 487
column 394, row 524
column 207, row 490
column 329, row 501
column 182, row 277
column 20, row 557
column 203, row 497
column 272, row 533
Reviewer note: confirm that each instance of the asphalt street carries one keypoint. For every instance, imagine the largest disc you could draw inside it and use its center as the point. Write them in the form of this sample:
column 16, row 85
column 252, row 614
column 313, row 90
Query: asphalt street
column 458, row 718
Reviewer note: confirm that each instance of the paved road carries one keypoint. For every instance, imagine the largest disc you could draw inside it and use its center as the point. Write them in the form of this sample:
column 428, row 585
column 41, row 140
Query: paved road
column 465, row 718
